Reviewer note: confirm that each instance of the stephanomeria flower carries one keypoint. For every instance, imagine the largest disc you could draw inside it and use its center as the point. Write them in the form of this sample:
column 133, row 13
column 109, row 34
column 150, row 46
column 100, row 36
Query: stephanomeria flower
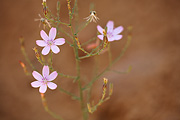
column 112, row 34
column 48, row 42
column 44, row 80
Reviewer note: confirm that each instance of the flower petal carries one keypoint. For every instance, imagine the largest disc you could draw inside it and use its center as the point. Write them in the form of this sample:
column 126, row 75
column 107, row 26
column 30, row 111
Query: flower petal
column 43, row 88
column 52, row 33
column 44, row 35
column 36, row 84
column 52, row 76
column 37, row 76
column 118, row 30
column 100, row 37
column 100, row 29
column 110, row 26
column 45, row 50
column 110, row 39
column 59, row 41
column 41, row 43
column 52, row 85
column 117, row 37
column 45, row 71
column 55, row 49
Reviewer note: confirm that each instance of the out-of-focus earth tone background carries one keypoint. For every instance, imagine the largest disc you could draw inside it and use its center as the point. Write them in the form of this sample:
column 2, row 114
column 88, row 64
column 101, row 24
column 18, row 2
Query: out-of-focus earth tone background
column 151, row 91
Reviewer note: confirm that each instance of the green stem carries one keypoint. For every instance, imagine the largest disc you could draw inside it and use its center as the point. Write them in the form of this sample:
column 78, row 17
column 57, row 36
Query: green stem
column 63, row 75
column 75, row 11
column 58, row 9
column 85, row 24
column 68, row 93
column 27, row 58
column 109, row 53
column 78, row 79
column 50, row 60
column 92, row 52
column 48, row 110
column 87, row 42
column 108, row 67
column 53, row 114
column 75, row 47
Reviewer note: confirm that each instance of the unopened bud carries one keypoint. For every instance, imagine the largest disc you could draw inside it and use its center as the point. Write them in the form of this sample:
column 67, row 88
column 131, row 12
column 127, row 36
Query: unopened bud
column 105, row 83
column 77, row 41
column 89, row 107
column 45, row 11
column 36, row 53
column 23, row 66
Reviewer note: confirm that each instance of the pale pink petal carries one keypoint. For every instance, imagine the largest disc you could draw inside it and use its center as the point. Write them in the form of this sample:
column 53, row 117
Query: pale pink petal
column 111, row 39
column 52, row 85
column 43, row 88
column 110, row 26
column 117, row 37
column 100, row 29
column 45, row 71
column 41, row 43
column 52, row 33
column 44, row 35
column 52, row 76
column 45, row 50
column 100, row 37
column 37, row 76
column 36, row 84
column 118, row 30
column 59, row 41
column 55, row 49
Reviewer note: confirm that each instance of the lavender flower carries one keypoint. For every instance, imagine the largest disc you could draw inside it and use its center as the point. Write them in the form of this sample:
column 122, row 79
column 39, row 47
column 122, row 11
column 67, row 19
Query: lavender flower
column 45, row 80
column 112, row 34
column 48, row 42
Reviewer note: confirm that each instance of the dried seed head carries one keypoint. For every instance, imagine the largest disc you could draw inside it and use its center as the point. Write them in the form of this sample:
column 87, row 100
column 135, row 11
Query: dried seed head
column 92, row 17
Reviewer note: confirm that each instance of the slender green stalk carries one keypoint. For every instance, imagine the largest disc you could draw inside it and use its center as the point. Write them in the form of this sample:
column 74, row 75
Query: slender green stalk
column 50, row 59
column 87, row 42
column 94, row 75
column 124, row 72
column 25, row 54
column 108, row 67
column 68, row 93
column 47, row 108
column 63, row 75
column 58, row 10
column 53, row 114
column 97, row 77
column 61, row 23
column 85, row 24
column 92, row 52
column 109, row 53
column 75, row 12
column 75, row 47
column 84, row 111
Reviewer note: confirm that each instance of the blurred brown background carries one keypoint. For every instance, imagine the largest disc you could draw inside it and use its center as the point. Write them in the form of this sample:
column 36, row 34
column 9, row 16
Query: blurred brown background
column 151, row 91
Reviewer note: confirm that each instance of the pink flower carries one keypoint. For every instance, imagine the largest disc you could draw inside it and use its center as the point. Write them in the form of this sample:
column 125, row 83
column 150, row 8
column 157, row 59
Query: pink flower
column 112, row 34
column 44, row 81
column 48, row 42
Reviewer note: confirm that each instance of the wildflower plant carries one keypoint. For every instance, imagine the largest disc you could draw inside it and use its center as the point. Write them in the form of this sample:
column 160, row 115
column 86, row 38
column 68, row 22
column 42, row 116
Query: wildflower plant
column 51, row 43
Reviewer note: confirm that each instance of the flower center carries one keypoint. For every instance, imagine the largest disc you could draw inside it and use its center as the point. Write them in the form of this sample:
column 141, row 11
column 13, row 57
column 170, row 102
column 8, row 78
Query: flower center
column 109, row 35
column 50, row 42
column 44, row 81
